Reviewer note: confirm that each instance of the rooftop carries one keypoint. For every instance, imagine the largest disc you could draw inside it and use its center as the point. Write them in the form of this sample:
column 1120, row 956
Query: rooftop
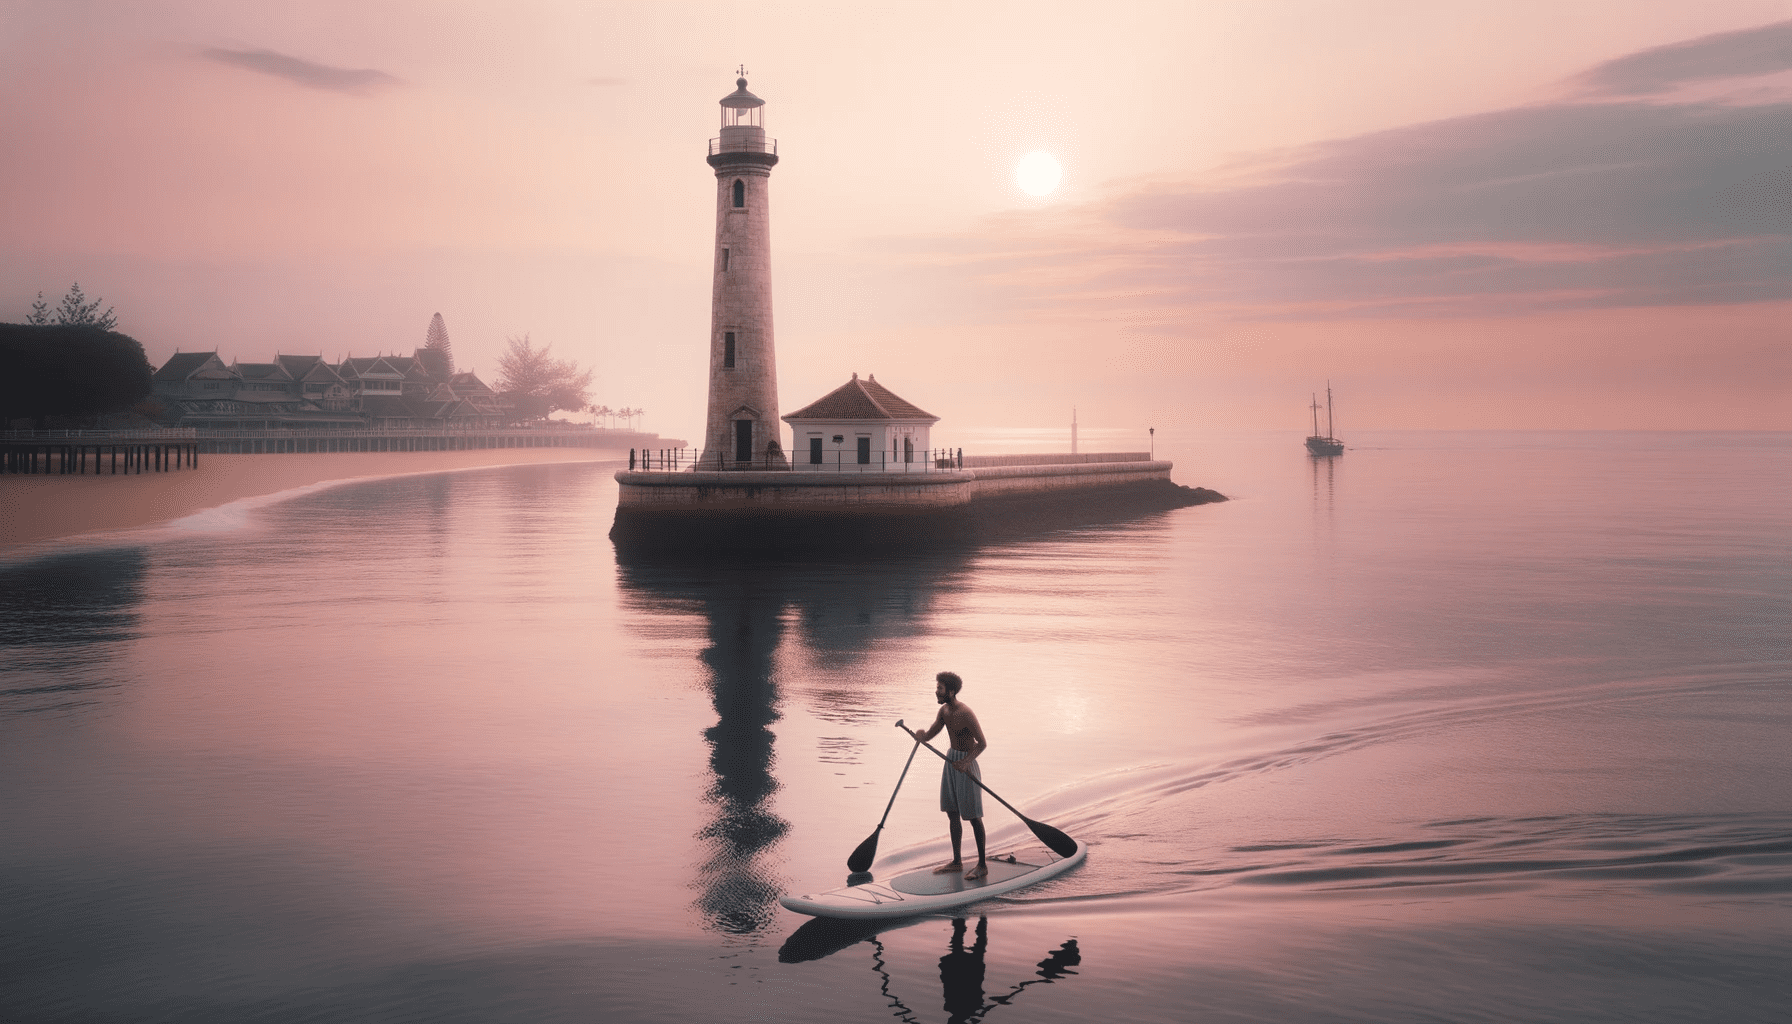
column 861, row 400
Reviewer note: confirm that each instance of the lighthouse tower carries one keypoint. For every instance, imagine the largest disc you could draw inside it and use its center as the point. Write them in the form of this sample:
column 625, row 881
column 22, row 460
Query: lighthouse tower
column 743, row 371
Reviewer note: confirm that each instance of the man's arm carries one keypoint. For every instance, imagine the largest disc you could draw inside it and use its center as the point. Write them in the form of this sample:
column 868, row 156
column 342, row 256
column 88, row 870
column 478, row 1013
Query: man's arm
column 939, row 722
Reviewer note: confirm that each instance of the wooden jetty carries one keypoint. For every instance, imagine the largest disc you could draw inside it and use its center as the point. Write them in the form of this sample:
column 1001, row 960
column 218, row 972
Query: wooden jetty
column 138, row 451
column 128, row 452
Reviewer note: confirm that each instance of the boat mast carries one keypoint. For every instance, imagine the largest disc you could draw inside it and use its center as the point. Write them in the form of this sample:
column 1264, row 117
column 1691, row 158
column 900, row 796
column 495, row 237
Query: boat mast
column 1328, row 410
column 1315, row 414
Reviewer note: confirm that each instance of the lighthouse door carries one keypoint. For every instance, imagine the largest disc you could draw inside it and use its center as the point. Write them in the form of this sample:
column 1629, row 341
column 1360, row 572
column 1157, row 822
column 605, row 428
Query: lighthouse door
column 743, row 440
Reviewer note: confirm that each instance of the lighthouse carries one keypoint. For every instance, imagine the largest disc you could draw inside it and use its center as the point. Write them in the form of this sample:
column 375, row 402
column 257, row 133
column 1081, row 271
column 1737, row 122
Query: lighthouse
column 742, row 429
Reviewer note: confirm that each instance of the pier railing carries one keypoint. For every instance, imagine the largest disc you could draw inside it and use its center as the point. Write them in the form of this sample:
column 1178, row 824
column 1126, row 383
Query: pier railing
column 672, row 460
column 932, row 460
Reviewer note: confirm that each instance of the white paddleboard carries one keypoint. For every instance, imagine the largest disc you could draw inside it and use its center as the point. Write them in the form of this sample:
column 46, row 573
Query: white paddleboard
column 923, row 892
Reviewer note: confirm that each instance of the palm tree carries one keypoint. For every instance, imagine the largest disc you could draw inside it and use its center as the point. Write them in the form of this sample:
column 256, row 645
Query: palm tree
column 601, row 412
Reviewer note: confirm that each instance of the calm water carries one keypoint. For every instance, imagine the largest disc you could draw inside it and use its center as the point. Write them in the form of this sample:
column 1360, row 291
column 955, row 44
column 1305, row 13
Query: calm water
column 1470, row 726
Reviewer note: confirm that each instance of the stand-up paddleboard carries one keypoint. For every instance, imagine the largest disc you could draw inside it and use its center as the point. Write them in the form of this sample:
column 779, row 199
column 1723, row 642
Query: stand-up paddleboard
column 923, row 892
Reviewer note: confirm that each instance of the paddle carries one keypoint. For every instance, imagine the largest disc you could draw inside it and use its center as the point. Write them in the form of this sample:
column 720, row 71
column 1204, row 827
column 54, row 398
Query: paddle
column 861, row 857
column 1061, row 844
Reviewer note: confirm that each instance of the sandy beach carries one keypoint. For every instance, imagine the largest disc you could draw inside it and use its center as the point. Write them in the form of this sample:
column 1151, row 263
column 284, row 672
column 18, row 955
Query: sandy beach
column 41, row 508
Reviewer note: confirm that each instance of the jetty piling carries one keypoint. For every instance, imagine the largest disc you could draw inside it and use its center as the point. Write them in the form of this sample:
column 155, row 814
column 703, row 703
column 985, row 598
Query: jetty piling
column 65, row 452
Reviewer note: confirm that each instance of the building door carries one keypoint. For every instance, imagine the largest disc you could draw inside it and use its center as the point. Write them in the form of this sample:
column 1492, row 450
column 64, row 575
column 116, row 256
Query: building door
column 815, row 451
column 864, row 451
column 743, row 440
column 908, row 449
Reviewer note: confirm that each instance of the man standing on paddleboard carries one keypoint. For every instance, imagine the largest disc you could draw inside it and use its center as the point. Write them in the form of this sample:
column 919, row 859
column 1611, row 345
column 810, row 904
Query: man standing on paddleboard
column 960, row 798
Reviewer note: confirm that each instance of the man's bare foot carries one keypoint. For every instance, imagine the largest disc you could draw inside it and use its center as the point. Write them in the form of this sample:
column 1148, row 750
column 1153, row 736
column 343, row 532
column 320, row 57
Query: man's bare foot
column 980, row 871
column 949, row 868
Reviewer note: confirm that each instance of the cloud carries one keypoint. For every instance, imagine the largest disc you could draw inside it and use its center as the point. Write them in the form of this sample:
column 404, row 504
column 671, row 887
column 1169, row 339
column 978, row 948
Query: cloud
column 1570, row 205
column 1755, row 51
column 303, row 72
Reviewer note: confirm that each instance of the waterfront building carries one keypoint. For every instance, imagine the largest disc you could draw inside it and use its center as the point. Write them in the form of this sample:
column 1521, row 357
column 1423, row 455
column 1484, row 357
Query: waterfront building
column 859, row 425
column 319, row 383
column 196, row 389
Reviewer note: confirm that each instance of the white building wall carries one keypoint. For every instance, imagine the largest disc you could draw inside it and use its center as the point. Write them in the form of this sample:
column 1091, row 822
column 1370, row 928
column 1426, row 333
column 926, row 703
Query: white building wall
column 886, row 445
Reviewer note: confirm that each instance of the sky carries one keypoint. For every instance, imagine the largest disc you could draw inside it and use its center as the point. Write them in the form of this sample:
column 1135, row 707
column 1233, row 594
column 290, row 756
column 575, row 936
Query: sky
column 1575, row 215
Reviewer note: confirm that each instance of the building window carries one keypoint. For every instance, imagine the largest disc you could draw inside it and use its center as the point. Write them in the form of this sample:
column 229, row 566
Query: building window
column 724, row 261
column 815, row 451
column 740, row 194
column 908, row 449
column 728, row 350
column 864, row 451
column 743, row 440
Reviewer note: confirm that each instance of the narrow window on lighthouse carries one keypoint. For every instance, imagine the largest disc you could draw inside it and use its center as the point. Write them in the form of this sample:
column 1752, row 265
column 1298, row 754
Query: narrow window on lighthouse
column 728, row 349
column 740, row 194
column 724, row 261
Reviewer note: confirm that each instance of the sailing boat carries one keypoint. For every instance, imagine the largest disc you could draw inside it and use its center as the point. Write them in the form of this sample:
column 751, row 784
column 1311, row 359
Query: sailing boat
column 1327, row 444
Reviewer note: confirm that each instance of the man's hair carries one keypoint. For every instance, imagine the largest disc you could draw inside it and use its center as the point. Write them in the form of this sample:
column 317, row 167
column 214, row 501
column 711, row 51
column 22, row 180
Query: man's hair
column 953, row 683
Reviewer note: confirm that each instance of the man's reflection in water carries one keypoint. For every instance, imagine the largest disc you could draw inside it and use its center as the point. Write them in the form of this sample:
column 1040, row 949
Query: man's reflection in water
column 961, row 969
column 961, row 972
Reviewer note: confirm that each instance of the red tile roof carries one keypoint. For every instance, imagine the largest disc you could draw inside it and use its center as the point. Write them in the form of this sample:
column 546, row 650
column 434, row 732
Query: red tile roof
column 861, row 400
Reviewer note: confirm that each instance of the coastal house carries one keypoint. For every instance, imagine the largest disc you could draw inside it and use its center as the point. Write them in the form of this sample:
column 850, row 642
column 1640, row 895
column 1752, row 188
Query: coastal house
column 859, row 425
column 369, row 377
column 479, row 395
column 319, row 383
column 197, row 375
column 196, row 389
column 305, row 392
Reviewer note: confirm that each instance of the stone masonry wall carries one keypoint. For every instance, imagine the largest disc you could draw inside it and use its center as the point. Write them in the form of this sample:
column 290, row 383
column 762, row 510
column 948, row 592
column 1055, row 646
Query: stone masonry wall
column 741, row 301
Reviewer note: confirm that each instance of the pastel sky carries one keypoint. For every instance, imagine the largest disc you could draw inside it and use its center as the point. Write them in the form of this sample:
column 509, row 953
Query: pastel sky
column 1462, row 213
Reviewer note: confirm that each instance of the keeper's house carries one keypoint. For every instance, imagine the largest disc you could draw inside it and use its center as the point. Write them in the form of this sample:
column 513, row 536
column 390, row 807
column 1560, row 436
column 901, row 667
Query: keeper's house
column 857, row 426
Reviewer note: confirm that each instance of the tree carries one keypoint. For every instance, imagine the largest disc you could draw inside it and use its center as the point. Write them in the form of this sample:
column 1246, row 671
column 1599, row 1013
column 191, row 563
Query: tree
column 526, row 370
column 436, row 340
column 68, row 370
column 75, row 311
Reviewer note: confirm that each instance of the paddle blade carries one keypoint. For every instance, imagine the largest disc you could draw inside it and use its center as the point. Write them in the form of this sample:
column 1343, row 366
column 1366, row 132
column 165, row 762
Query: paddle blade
column 861, row 858
column 1061, row 844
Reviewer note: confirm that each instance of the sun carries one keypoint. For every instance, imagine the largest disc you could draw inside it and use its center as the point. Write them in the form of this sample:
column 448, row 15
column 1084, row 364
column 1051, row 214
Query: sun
column 1038, row 173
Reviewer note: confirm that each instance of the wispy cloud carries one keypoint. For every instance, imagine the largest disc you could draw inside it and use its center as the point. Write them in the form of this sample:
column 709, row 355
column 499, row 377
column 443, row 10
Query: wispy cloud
column 1749, row 52
column 1560, row 206
column 299, row 71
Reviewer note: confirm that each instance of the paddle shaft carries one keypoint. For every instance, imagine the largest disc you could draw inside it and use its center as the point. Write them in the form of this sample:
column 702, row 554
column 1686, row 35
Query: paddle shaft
column 862, row 856
column 911, row 760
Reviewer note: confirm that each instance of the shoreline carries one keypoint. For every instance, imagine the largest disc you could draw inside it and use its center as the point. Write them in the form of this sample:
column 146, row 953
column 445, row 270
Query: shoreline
column 50, row 507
